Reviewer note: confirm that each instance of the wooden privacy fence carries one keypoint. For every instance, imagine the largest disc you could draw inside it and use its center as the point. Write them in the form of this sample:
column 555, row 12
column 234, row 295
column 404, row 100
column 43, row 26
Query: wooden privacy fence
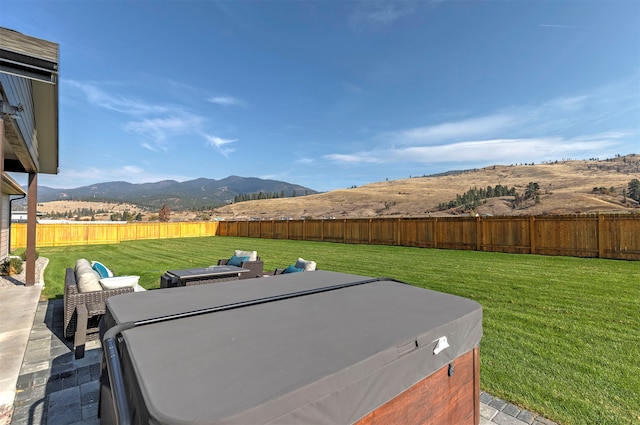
column 87, row 233
column 615, row 236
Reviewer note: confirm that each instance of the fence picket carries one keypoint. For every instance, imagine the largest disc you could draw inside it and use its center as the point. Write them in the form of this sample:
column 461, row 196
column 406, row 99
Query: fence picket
column 615, row 236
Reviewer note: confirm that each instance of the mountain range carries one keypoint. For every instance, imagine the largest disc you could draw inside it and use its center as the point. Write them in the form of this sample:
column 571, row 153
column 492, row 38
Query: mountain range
column 562, row 187
column 192, row 194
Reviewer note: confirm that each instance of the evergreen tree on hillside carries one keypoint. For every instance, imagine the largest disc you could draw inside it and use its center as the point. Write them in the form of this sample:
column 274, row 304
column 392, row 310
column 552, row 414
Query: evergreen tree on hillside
column 633, row 190
column 531, row 191
column 475, row 197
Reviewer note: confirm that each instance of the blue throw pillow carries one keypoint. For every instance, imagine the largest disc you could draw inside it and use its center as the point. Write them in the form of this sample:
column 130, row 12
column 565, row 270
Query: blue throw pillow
column 292, row 269
column 237, row 261
column 100, row 269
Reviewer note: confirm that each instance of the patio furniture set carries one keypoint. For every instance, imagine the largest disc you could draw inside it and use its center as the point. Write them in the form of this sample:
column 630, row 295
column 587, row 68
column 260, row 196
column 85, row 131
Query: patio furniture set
column 89, row 284
column 322, row 347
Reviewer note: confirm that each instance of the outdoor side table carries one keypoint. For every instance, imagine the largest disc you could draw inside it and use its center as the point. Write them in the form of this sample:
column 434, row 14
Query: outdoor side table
column 200, row 276
column 87, row 324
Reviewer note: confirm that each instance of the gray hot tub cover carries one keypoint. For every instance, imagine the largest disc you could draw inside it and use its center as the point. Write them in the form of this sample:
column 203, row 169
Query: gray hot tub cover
column 329, row 357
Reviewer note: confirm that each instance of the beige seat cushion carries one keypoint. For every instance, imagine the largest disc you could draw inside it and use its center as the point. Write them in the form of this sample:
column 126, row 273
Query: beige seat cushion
column 88, row 281
column 82, row 262
column 253, row 255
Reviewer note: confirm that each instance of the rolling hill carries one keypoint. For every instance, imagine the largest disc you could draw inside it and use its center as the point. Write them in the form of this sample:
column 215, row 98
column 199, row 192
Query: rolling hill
column 566, row 187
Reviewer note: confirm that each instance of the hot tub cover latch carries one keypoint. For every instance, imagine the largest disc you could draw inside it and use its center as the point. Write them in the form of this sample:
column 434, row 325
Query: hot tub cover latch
column 441, row 344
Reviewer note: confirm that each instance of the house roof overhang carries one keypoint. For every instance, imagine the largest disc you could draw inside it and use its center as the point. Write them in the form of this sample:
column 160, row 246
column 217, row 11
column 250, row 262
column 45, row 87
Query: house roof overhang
column 35, row 60
column 10, row 186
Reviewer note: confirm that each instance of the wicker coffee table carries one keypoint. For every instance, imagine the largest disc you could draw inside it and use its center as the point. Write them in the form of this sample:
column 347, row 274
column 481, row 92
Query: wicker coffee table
column 199, row 276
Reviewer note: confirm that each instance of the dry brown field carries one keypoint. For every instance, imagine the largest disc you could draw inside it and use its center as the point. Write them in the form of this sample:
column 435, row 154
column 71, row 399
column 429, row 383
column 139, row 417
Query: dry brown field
column 566, row 187
column 70, row 206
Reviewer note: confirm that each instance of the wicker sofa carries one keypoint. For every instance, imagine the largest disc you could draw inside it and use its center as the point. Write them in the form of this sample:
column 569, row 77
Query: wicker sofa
column 73, row 297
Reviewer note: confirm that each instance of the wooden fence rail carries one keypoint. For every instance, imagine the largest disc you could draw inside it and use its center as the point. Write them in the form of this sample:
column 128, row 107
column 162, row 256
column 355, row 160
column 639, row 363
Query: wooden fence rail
column 615, row 236
column 86, row 233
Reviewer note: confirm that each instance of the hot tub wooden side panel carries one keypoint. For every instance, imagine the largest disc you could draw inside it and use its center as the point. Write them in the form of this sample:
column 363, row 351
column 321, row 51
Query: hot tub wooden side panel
column 439, row 399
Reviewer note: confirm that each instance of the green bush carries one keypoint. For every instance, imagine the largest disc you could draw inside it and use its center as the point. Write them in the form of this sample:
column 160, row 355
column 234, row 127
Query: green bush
column 11, row 266
column 23, row 255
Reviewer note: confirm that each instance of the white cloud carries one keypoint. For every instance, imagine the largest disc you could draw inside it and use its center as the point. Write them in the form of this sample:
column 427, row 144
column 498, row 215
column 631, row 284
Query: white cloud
column 220, row 144
column 566, row 103
column 473, row 127
column 491, row 150
column 357, row 158
column 126, row 105
column 157, row 129
column 227, row 101
column 156, row 123
column 304, row 160
column 379, row 13
column 582, row 125
column 502, row 150
column 150, row 147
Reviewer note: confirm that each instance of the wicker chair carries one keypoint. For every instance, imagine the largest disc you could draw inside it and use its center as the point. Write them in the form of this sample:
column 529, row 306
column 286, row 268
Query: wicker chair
column 73, row 298
column 255, row 267
column 300, row 264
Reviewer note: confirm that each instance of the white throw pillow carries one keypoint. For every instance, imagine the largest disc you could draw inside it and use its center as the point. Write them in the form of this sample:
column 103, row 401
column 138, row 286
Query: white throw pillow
column 119, row 282
column 308, row 266
column 253, row 255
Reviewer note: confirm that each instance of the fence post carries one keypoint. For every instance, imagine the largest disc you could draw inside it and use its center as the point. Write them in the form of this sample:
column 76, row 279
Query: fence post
column 532, row 235
column 601, row 236
column 435, row 232
column 344, row 230
column 479, row 234
column 370, row 224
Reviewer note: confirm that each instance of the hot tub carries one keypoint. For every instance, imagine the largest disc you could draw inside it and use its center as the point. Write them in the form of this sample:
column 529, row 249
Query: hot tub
column 304, row 348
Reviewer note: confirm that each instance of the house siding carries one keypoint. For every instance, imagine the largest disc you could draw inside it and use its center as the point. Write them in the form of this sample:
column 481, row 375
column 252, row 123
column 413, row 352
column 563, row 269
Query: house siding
column 4, row 227
column 18, row 92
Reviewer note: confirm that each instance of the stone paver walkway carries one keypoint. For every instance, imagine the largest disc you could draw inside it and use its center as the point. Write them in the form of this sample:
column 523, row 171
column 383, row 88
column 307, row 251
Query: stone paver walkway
column 54, row 388
column 495, row 411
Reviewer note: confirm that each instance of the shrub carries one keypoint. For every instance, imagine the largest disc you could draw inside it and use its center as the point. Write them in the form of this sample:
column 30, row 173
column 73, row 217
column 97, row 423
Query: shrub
column 23, row 255
column 11, row 266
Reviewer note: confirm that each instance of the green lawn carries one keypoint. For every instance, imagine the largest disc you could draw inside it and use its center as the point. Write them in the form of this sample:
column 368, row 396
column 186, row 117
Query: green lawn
column 561, row 334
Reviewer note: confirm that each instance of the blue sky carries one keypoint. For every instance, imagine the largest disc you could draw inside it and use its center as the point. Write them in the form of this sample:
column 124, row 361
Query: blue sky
column 332, row 94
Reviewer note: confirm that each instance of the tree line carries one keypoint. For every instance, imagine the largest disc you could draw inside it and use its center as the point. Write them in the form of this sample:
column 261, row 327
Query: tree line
column 475, row 197
column 262, row 195
column 79, row 212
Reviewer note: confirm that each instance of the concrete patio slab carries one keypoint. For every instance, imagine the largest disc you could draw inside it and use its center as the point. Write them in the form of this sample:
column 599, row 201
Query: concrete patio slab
column 17, row 312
